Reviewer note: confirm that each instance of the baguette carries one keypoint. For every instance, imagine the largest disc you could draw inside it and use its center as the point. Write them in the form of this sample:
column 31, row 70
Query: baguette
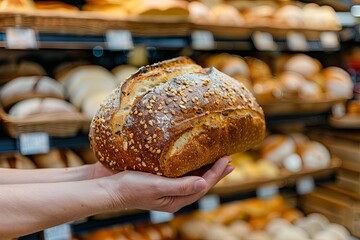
column 174, row 117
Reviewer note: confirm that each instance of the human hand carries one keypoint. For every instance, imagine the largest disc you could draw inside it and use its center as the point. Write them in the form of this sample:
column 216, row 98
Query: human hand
column 131, row 189
column 98, row 170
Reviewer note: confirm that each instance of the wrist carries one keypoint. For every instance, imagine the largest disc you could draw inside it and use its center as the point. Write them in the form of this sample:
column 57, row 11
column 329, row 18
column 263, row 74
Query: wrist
column 112, row 198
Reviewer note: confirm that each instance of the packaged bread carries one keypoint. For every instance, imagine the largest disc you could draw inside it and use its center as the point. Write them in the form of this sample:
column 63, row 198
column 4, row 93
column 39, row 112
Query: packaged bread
column 58, row 159
column 174, row 117
column 16, row 160
column 25, row 87
column 37, row 106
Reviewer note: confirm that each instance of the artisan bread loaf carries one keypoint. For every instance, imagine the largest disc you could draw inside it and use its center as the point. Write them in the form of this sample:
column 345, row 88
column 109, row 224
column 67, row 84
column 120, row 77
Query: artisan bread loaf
column 174, row 117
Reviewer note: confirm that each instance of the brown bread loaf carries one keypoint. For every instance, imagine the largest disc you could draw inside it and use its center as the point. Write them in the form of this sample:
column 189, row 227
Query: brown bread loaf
column 174, row 117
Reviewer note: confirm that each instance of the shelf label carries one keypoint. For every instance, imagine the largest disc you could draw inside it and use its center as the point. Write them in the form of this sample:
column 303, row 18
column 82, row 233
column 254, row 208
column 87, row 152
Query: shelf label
column 202, row 40
column 119, row 40
column 209, row 203
column 305, row 185
column 329, row 40
column 267, row 191
column 21, row 38
column 160, row 217
column 61, row 232
column 34, row 143
column 264, row 41
column 296, row 41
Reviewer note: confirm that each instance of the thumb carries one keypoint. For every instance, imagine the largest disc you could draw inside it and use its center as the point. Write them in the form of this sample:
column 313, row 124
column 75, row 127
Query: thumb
column 182, row 186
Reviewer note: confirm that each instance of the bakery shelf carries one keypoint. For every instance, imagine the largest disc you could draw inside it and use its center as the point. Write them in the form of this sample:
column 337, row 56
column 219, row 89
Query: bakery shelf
column 11, row 144
column 285, row 179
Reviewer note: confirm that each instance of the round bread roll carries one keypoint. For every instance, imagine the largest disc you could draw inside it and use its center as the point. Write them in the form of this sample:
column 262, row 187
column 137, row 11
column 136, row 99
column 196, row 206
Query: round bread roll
column 199, row 13
column 218, row 231
column 225, row 14
column 267, row 169
column 293, row 163
column 291, row 232
column 239, row 228
column 291, row 83
column 325, row 235
column 319, row 218
column 319, row 17
column 310, row 91
column 276, row 225
column 353, row 107
column 16, row 160
column 92, row 103
column 292, row 215
column 277, row 147
column 258, row 69
column 35, row 106
column 289, row 15
column 302, row 64
column 55, row 6
column 20, row 87
column 235, row 66
column 12, row 70
column 174, row 117
column 17, row 5
column 194, row 229
column 338, row 83
column 315, row 155
column 266, row 90
column 258, row 235
column 122, row 72
column 259, row 15
column 299, row 139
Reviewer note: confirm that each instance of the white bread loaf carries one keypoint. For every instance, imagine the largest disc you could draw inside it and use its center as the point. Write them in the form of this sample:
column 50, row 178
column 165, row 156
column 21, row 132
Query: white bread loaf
column 36, row 106
column 32, row 85
column 174, row 117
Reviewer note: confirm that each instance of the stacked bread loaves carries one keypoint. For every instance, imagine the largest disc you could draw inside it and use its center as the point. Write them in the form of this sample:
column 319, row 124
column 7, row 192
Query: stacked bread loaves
column 174, row 117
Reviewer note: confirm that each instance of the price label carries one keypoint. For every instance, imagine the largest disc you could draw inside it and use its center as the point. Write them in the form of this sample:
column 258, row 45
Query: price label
column 209, row 203
column 267, row 191
column 34, row 143
column 61, row 232
column 305, row 185
column 296, row 41
column 160, row 217
column 264, row 41
column 119, row 40
column 202, row 40
column 329, row 40
column 21, row 38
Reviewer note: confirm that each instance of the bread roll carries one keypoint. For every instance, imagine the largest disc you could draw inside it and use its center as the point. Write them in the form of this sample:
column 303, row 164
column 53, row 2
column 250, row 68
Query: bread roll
column 291, row 83
column 290, row 16
column 259, row 15
column 218, row 231
column 55, row 6
column 36, row 106
column 12, row 70
column 277, row 147
column 22, row 87
column 338, row 83
column 353, row 107
column 225, row 14
column 315, row 155
column 122, row 72
column 310, row 91
column 15, row 5
column 258, row 235
column 16, row 160
column 235, row 66
column 199, row 13
column 91, row 103
column 174, row 117
column 259, row 70
column 303, row 64
column 166, row 8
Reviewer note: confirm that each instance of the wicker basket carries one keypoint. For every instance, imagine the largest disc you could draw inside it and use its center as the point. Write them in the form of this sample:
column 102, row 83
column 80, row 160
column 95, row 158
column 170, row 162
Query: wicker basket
column 55, row 124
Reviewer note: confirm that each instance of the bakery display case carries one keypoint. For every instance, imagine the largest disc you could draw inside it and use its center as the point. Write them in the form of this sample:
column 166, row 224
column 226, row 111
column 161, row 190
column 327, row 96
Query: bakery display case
column 300, row 59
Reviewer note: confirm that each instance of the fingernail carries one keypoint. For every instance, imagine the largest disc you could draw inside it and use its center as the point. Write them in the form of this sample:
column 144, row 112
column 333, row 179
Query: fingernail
column 199, row 185
column 229, row 169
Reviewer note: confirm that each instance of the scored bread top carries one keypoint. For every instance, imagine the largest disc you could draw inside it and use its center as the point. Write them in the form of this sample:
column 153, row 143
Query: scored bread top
column 173, row 117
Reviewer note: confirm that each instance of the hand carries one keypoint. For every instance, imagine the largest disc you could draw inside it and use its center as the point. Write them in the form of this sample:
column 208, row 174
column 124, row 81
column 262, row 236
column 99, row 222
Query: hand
column 98, row 170
column 147, row 191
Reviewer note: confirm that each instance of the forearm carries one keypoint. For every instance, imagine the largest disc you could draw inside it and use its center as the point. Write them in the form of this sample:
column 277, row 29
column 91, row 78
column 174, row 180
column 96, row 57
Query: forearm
column 17, row 176
column 28, row 208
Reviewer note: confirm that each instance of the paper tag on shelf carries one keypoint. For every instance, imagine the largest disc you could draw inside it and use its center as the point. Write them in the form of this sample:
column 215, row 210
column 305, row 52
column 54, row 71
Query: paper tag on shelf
column 21, row 38
column 209, row 203
column 160, row 217
column 305, row 185
column 267, row 191
column 119, row 40
column 202, row 40
column 34, row 143
column 61, row 232
column 329, row 40
column 264, row 41
column 296, row 41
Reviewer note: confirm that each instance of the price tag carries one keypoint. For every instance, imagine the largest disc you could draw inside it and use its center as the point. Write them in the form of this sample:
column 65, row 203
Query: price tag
column 119, row 40
column 160, row 217
column 329, row 40
column 209, row 203
column 264, row 41
column 202, row 40
column 305, row 185
column 267, row 191
column 296, row 41
column 34, row 143
column 21, row 38
column 61, row 232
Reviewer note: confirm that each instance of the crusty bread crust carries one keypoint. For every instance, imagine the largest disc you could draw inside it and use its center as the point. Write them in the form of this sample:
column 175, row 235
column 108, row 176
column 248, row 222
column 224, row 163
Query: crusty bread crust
column 185, row 118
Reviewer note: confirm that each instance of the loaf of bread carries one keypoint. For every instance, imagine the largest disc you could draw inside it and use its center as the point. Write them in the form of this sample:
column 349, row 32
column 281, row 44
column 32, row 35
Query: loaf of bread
column 174, row 117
